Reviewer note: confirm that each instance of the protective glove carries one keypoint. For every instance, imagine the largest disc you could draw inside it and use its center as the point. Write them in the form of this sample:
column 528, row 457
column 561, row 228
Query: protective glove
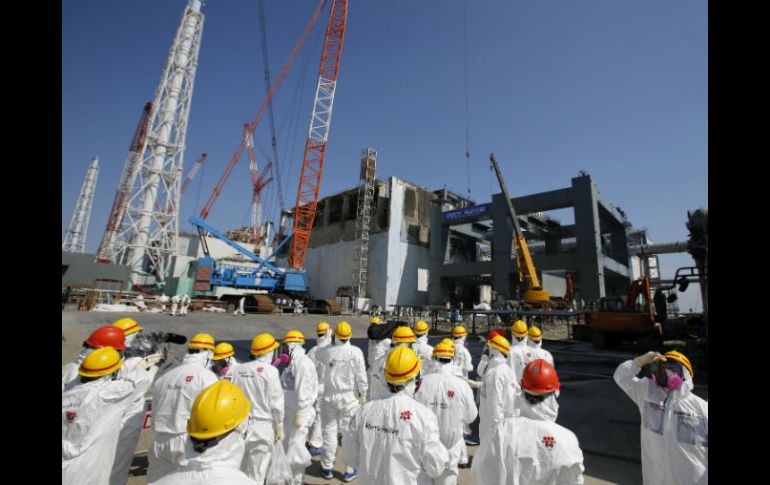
column 297, row 421
column 472, row 383
column 149, row 361
column 648, row 358
column 362, row 399
column 279, row 432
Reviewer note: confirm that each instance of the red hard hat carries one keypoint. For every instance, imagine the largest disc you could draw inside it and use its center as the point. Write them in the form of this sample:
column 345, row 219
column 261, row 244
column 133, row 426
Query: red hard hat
column 492, row 334
column 107, row 336
column 540, row 377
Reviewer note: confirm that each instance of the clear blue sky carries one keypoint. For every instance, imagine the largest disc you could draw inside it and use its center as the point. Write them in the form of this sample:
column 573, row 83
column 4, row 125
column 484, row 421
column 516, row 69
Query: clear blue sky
column 614, row 87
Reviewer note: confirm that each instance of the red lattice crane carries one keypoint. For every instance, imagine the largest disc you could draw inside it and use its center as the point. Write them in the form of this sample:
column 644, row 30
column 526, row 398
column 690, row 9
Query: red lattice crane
column 315, row 147
column 262, row 108
column 107, row 250
column 258, row 182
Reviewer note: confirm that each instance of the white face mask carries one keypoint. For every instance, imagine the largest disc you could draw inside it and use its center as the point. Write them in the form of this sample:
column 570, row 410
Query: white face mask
column 546, row 410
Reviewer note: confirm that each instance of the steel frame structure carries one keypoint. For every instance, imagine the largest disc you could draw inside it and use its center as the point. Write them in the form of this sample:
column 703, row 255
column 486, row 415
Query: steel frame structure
column 110, row 247
column 315, row 147
column 363, row 220
column 75, row 238
column 258, row 182
column 151, row 225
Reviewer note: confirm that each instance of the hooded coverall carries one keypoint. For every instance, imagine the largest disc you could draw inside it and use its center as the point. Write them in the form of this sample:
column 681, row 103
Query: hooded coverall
column 91, row 414
column 451, row 400
column 172, row 398
column 675, row 427
column 343, row 380
column 261, row 383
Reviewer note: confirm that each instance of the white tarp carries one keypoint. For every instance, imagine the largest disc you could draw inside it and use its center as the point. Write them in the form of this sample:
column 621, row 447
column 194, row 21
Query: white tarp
column 103, row 307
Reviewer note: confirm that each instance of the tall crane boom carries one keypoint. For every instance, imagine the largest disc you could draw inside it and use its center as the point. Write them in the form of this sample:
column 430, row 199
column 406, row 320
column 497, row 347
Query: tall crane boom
column 107, row 251
column 75, row 239
column 261, row 111
column 527, row 271
column 192, row 172
column 315, row 147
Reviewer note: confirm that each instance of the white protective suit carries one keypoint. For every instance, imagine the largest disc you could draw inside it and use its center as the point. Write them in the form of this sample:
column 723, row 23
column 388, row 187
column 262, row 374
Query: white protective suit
column 91, row 414
column 463, row 358
column 69, row 375
column 463, row 365
column 521, row 451
column 218, row 465
column 300, row 387
column 184, row 303
column 261, row 383
column 451, row 400
column 675, row 427
column 174, row 305
column 239, row 310
column 343, row 379
column 519, row 356
column 538, row 352
column 130, row 424
column 499, row 394
column 316, row 437
column 395, row 440
column 378, row 386
column 423, row 350
column 172, row 398
column 376, row 349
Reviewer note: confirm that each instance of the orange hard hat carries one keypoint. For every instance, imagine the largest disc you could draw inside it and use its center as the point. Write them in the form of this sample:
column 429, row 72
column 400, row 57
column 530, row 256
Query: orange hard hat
column 540, row 377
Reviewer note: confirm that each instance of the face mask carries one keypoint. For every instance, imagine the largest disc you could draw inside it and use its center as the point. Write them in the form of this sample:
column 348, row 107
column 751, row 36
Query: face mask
column 672, row 380
column 668, row 375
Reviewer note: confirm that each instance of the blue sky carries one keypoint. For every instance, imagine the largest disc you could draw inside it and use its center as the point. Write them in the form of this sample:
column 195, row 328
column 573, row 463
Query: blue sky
column 614, row 87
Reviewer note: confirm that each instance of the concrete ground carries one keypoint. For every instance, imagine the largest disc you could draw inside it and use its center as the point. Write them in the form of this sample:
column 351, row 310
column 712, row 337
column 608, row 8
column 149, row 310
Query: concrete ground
column 605, row 421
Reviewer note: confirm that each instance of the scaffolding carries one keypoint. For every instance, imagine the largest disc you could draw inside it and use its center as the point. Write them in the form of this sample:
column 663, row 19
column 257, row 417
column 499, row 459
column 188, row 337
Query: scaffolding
column 363, row 219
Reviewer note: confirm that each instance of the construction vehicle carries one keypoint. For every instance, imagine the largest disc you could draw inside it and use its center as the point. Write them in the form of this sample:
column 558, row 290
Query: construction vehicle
column 266, row 286
column 641, row 318
column 535, row 293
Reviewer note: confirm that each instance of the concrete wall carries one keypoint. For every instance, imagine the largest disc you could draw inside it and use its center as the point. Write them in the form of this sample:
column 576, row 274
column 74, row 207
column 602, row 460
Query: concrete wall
column 82, row 270
column 331, row 266
column 403, row 259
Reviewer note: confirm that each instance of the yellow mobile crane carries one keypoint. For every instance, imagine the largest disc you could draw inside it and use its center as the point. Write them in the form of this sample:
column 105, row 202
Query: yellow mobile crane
column 535, row 292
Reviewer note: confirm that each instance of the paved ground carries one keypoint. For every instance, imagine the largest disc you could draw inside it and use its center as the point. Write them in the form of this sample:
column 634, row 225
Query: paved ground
column 605, row 421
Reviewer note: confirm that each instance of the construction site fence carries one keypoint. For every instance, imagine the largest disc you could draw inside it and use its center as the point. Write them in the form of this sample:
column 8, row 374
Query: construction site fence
column 481, row 322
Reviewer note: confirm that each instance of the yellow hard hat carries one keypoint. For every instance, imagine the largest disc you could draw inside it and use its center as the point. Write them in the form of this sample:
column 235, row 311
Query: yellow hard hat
column 401, row 365
column 343, row 330
column 535, row 334
column 500, row 343
column 449, row 342
column 223, row 350
column 322, row 328
column 128, row 325
column 294, row 336
column 263, row 343
column 519, row 328
column 219, row 408
column 403, row 335
column 459, row 331
column 375, row 321
column 680, row 357
column 202, row 341
column 100, row 362
column 443, row 349
column 421, row 328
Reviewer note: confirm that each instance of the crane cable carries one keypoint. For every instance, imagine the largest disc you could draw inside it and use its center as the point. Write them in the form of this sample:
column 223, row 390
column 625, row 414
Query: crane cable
column 467, row 128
